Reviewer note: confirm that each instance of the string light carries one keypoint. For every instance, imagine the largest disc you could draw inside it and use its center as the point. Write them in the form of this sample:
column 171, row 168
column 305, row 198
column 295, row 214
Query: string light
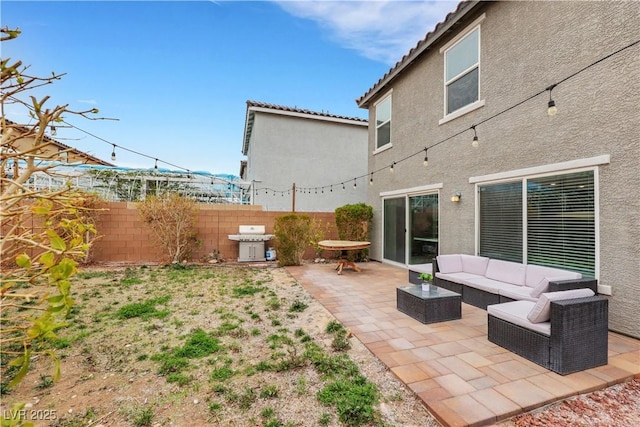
column 156, row 166
column 355, row 185
column 54, row 131
column 475, row 142
column 343, row 187
column 552, row 110
column 426, row 158
column 371, row 179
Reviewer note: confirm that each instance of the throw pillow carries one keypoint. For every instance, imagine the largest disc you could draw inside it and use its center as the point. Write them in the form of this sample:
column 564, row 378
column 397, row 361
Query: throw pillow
column 543, row 286
column 541, row 312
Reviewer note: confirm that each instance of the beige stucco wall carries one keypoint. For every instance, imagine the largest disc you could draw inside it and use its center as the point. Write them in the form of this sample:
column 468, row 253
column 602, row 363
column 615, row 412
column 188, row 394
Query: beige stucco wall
column 310, row 152
column 525, row 47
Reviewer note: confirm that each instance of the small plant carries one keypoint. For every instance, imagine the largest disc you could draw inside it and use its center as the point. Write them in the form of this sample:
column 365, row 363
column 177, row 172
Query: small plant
column 269, row 392
column 268, row 412
column 426, row 277
column 341, row 341
column 46, row 381
column 298, row 307
column 143, row 417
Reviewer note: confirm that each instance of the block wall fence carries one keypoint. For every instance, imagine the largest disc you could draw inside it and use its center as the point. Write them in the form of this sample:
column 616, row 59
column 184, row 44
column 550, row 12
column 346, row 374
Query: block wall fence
column 126, row 239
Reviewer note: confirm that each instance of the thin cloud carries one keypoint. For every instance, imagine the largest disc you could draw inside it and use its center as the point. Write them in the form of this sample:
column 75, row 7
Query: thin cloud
column 88, row 101
column 379, row 30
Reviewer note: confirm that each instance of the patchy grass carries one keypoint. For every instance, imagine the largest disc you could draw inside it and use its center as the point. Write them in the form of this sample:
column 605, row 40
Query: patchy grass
column 184, row 345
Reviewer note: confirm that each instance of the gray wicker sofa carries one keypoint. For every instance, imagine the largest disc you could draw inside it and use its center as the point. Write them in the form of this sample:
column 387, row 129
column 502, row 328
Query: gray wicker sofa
column 547, row 315
column 569, row 335
column 483, row 281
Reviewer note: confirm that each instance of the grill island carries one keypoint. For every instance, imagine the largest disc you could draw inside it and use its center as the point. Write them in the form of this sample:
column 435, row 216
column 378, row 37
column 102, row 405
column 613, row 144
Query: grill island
column 251, row 239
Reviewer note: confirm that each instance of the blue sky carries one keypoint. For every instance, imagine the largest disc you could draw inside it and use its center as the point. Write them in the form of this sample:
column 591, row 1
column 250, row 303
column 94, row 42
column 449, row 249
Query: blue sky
column 177, row 74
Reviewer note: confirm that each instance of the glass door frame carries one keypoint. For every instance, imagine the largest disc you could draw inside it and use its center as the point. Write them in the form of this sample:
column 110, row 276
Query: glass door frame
column 407, row 194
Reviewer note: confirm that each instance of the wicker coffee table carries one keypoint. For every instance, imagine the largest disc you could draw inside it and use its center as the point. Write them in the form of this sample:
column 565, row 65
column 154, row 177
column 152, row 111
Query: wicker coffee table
column 429, row 306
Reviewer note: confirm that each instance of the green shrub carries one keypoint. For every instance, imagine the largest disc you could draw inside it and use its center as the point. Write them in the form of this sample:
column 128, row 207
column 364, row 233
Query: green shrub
column 293, row 236
column 353, row 223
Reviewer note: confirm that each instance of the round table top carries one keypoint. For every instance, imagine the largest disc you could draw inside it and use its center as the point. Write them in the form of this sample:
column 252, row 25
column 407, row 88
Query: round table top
column 342, row 245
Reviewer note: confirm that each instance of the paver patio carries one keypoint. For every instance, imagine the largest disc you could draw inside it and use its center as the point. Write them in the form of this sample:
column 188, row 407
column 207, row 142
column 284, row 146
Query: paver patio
column 462, row 378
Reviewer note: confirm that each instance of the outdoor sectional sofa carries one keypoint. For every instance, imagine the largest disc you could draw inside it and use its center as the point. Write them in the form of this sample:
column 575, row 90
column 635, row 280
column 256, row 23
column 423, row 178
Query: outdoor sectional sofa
column 547, row 315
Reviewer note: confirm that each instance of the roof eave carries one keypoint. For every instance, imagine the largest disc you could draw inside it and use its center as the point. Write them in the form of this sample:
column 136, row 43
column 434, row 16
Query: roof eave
column 443, row 28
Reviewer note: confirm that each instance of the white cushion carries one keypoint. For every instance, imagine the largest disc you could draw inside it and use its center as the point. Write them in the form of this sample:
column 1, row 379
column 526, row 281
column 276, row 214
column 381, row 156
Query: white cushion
column 535, row 273
column 488, row 285
column 474, row 264
column 449, row 263
column 543, row 285
column 421, row 268
column 541, row 311
column 506, row 271
column 457, row 277
column 520, row 293
column 516, row 312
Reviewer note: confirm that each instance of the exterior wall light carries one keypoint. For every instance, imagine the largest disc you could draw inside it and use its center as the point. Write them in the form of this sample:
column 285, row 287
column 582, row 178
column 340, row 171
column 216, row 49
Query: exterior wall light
column 456, row 197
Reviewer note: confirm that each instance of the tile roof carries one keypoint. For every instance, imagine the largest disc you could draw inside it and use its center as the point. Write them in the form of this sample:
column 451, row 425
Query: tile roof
column 452, row 18
column 300, row 110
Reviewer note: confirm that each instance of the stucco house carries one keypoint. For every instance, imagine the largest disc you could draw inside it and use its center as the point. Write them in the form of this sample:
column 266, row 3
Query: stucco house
column 512, row 130
column 288, row 145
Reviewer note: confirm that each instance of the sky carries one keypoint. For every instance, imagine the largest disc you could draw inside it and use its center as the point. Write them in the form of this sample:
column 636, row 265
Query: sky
column 177, row 74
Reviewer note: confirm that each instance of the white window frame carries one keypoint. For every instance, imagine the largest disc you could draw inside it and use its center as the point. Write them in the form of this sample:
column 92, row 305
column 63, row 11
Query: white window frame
column 475, row 25
column 388, row 145
column 572, row 166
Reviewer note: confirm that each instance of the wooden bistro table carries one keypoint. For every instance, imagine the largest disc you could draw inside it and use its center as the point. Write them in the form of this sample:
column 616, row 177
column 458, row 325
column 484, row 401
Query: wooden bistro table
column 343, row 246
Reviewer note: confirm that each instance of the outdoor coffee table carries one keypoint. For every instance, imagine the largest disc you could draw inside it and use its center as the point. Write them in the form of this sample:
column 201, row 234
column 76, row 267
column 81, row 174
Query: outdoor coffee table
column 429, row 306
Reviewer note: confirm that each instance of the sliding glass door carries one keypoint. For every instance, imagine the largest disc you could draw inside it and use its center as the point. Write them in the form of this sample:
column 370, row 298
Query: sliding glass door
column 394, row 229
column 420, row 212
column 423, row 218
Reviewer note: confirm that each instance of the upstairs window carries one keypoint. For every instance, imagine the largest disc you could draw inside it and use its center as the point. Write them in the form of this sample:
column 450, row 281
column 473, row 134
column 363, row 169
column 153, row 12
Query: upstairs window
column 462, row 72
column 383, row 122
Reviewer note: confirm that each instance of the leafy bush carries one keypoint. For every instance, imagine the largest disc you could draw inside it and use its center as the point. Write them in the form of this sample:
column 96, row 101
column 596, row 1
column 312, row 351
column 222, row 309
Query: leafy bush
column 353, row 223
column 293, row 235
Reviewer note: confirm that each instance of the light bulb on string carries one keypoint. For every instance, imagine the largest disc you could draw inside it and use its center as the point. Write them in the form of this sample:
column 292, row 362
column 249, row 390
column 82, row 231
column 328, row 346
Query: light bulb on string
column 391, row 168
column 475, row 141
column 113, row 153
column 343, row 187
column 331, row 188
column 371, row 179
column 355, row 185
column 552, row 110
column 54, row 131
column 426, row 158
column 155, row 167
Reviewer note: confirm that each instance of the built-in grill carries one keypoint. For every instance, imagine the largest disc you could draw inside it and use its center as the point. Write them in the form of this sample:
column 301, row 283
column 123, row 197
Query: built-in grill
column 251, row 238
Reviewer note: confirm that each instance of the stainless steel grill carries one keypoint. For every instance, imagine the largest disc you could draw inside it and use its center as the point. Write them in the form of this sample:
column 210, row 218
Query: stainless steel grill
column 251, row 239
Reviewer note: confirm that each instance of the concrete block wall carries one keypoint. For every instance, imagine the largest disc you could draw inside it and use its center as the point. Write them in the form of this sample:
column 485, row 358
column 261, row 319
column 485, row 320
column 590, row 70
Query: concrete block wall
column 125, row 238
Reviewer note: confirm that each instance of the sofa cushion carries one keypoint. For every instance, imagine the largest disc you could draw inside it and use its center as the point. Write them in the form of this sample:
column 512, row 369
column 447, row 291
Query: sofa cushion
column 449, row 263
column 543, row 286
column 535, row 273
column 541, row 311
column 487, row 285
column 520, row 293
column 506, row 271
column 474, row 264
column 516, row 312
column 457, row 277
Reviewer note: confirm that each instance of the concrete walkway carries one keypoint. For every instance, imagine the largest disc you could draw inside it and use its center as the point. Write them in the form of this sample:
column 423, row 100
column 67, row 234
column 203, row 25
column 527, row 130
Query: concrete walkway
column 462, row 378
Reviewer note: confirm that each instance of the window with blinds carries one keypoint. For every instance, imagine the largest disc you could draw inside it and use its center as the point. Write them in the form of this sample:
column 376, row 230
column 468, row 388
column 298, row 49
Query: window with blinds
column 501, row 221
column 561, row 222
column 559, row 219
